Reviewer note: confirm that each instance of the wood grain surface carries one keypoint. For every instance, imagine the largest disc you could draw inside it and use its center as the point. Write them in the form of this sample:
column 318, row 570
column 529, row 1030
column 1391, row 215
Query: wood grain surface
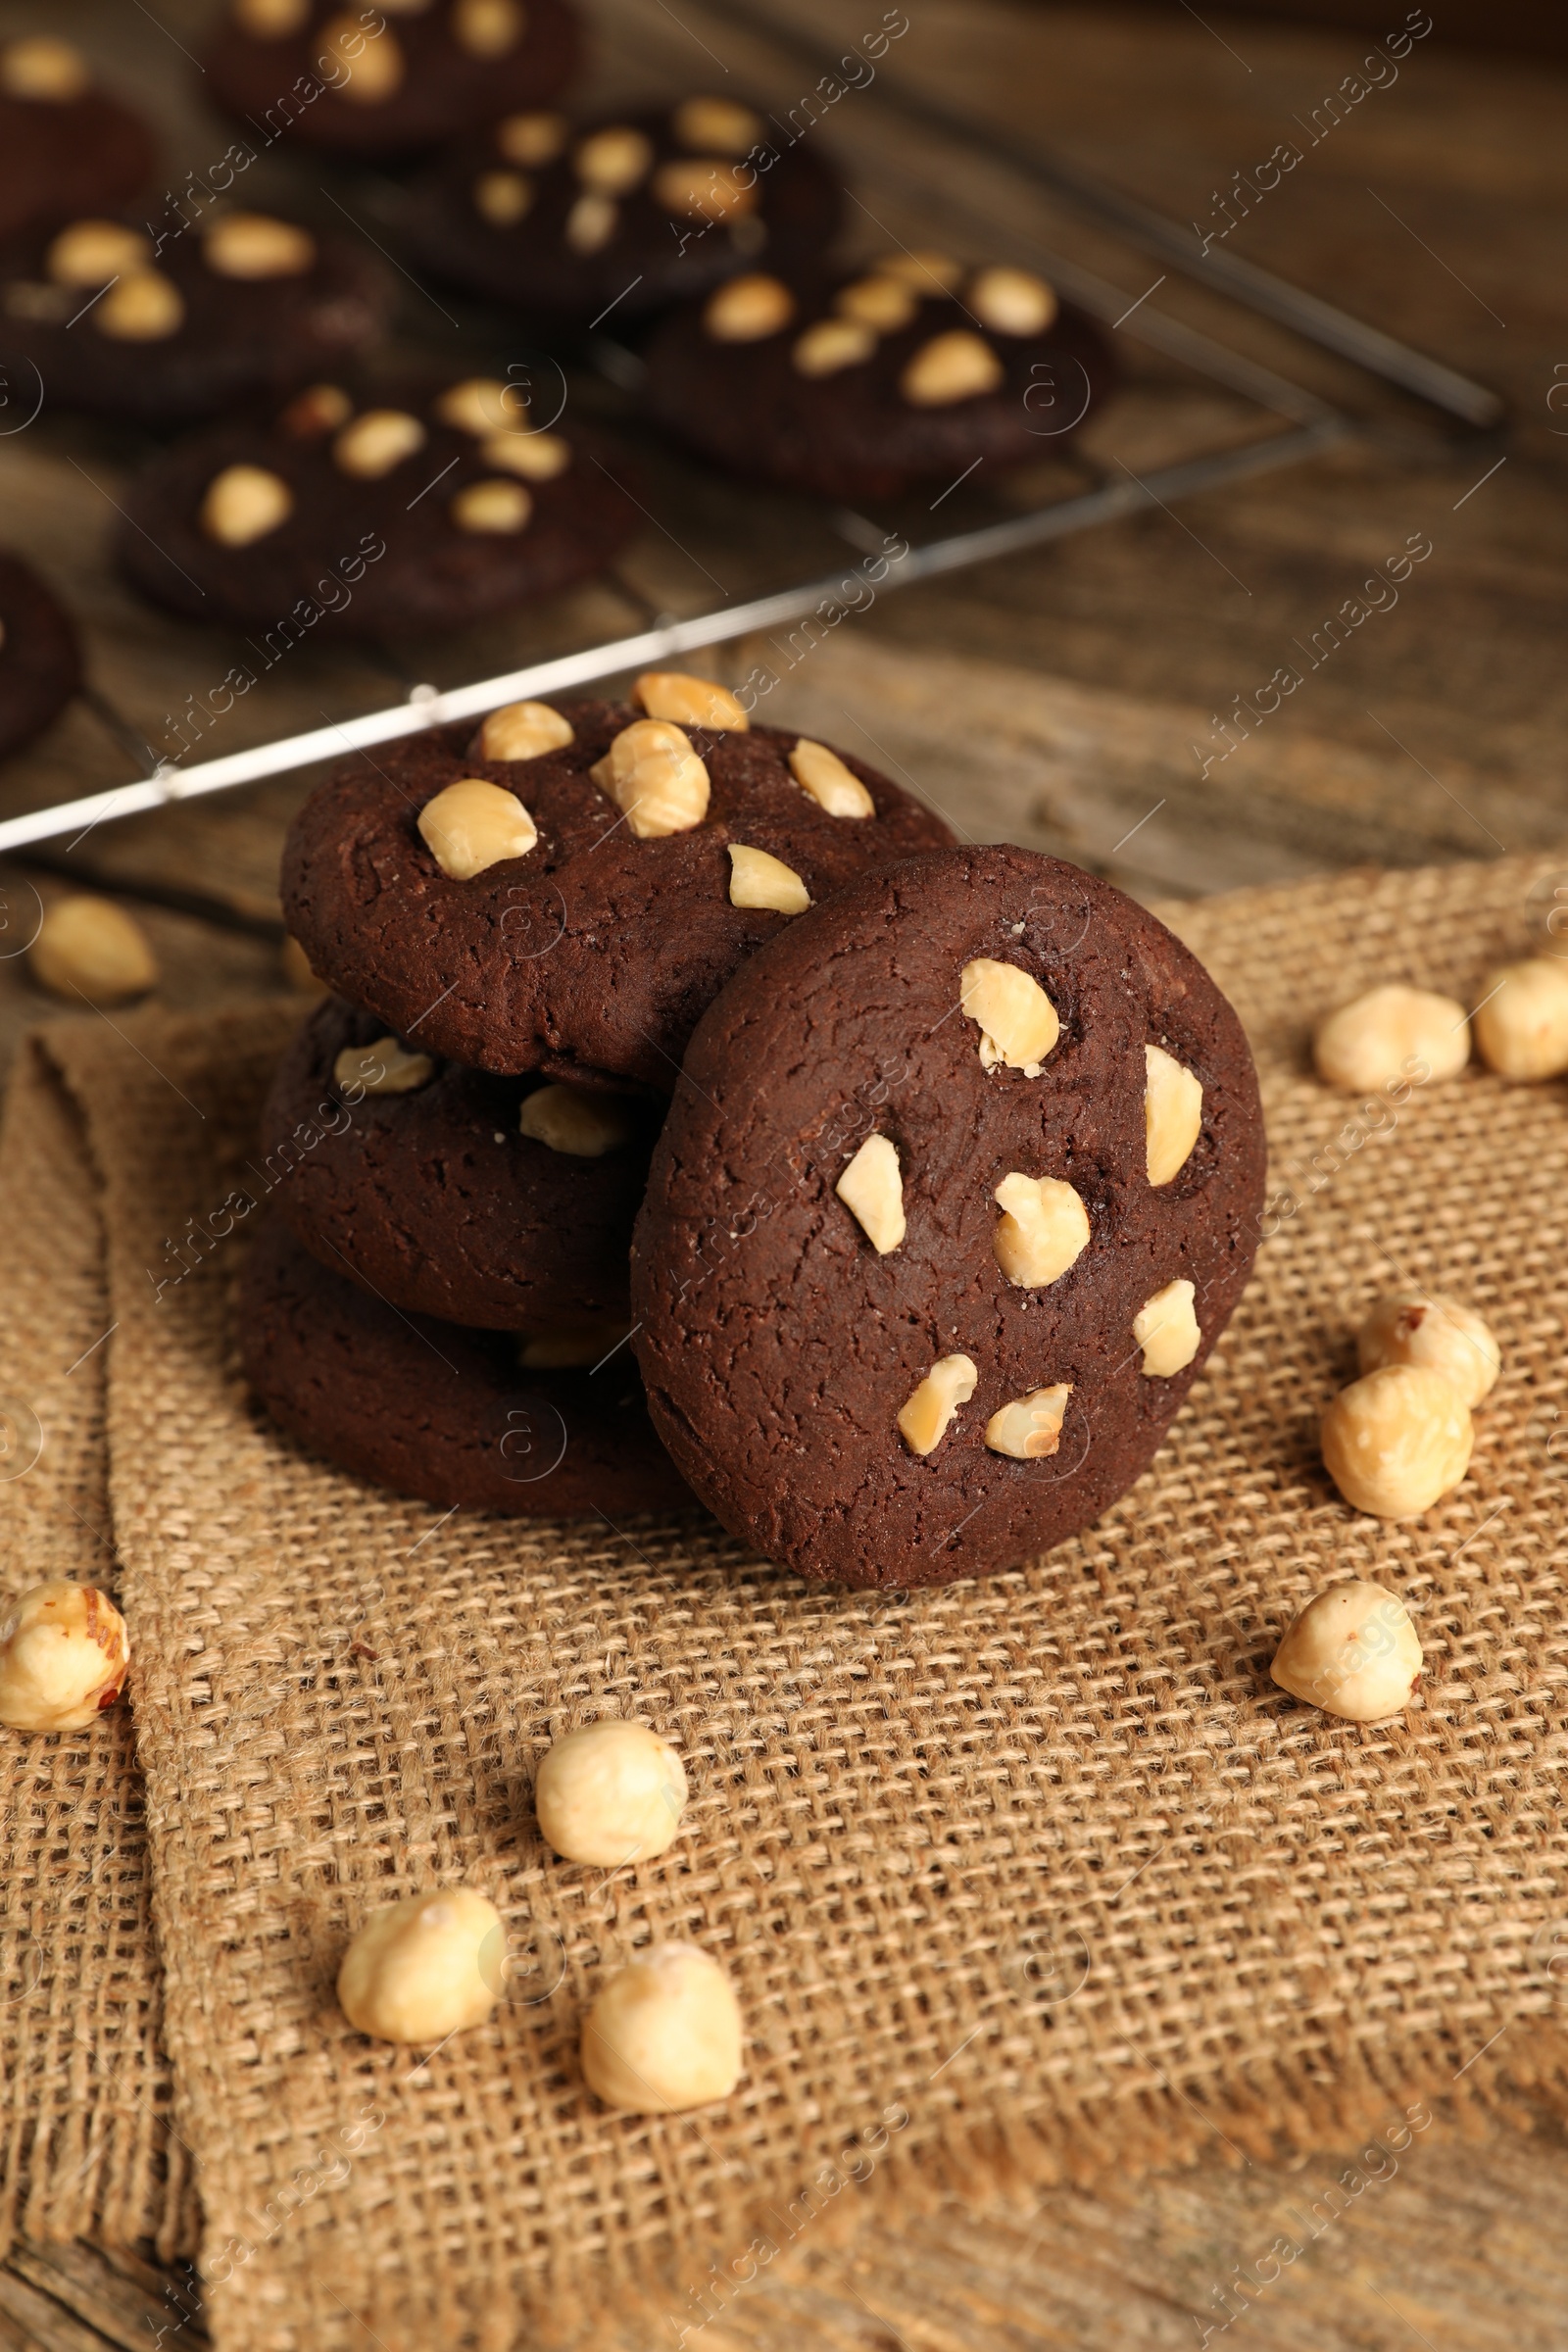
column 1056, row 698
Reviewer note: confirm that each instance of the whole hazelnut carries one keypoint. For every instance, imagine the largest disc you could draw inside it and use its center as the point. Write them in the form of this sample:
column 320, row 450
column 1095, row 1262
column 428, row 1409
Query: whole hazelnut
column 1397, row 1441
column 1352, row 1651
column 664, row 2033
column 609, row 1793
column 64, row 1651
column 1378, row 1036
column 90, row 948
column 418, row 1969
column 1412, row 1327
column 1521, row 1024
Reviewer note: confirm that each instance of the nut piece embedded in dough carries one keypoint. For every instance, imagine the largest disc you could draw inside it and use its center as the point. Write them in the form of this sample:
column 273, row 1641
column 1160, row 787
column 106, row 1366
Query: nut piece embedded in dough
column 1354, row 1652
column 482, row 404
column 143, row 307
column 749, row 308
column 884, row 304
column 533, row 139
column 871, row 1188
column 316, row 411
column 756, row 879
column 92, row 947
column 492, row 505
column 270, row 20
column 472, row 826
column 376, row 442
column 1412, row 1327
column 488, row 27
column 689, row 702
column 957, row 366
column 1392, row 1032
column 1013, row 302
column 503, row 198
column 385, row 1068
column 576, row 1120
column 707, row 188
column 613, row 159
column 591, row 222
column 243, row 504
column 423, row 1967
column 832, row 345
column 609, row 1793
column 929, row 274
column 1397, row 1441
column 253, row 245
column 1045, row 1231
column 1173, row 1114
column 654, row 779
column 833, row 786
column 1521, row 1023
column 923, row 1421
column 664, row 2033
column 1030, row 1427
column 64, row 1651
column 90, row 253
column 48, row 71
column 371, row 67
column 1165, row 1328
column 523, row 731
column 536, row 457
column 716, row 126
column 1017, row 1021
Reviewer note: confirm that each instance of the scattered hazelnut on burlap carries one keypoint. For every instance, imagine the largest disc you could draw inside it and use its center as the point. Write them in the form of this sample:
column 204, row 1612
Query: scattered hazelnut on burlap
column 1415, row 1327
column 664, row 2032
column 1521, row 1023
column 1397, row 1441
column 1390, row 1033
column 423, row 1967
column 64, row 1652
column 1352, row 1651
column 609, row 1793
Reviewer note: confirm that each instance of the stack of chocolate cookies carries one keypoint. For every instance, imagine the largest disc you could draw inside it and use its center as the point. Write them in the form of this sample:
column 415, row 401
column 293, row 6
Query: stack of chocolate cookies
column 677, row 1050
column 523, row 926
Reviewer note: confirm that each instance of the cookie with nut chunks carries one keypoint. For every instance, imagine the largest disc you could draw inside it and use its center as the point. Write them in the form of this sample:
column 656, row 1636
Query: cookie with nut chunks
column 372, row 515
column 386, row 81
column 65, row 147
column 625, row 214
column 916, row 369
column 429, row 1408
column 962, row 1190
column 133, row 322
column 568, row 888
column 40, row 657
column 506, row 1202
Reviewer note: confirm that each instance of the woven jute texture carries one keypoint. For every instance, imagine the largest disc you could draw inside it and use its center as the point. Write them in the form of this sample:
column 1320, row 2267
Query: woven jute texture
column 1017, row 1877
column 85, row 2148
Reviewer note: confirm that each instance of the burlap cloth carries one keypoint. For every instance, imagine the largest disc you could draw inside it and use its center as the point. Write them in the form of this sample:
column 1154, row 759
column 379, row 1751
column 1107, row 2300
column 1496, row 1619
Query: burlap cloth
column 1018, row 1879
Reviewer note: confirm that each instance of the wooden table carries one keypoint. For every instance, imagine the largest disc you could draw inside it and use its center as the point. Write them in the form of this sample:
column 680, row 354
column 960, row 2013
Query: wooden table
column 1056, row 699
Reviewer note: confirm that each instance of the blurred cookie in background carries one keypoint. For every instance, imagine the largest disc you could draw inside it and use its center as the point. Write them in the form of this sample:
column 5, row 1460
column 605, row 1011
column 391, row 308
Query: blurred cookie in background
column 164, row 328
column 918, row 368
column 65, row 147
column 40, row 659
column 371, row 518
column 391, row 80
column 623, row 216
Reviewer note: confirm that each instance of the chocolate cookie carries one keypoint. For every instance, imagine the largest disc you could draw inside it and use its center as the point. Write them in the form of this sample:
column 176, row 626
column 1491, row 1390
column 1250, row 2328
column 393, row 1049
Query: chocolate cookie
column 388, row 79
column 64, row 147
column 862, row 1366
column 430, row 1409
column 499, row 1201
column 624, row 214
column 374, row 520
column 568, row 889
column 40, row 659
column 916, row 370
column 165, row 328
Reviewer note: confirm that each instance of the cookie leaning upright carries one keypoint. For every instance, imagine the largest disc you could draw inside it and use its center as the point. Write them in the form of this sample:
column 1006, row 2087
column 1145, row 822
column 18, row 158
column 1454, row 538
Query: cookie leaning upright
column 569, row 889
column 963, row 1188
